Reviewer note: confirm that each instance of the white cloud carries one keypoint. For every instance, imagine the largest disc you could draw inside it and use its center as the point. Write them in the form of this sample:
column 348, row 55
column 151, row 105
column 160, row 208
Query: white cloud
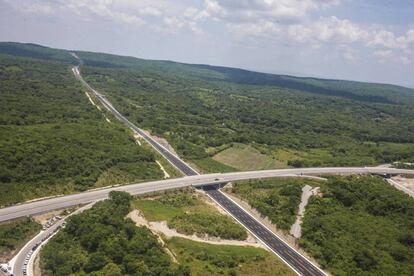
column 383, row 38
column 390, row 56
column 175, row 24
column 383, row 53
column 35, row 7
column 253, row 10
column 329, row 29
column 159, row 15
column 272, row 21
column 105, row 9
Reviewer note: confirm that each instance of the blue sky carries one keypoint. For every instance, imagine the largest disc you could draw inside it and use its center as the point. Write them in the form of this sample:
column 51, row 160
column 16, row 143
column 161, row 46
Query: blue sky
column 346, row 39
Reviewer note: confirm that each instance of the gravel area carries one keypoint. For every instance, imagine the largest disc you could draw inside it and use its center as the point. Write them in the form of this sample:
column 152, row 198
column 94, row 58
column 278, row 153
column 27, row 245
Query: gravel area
column 307, row 192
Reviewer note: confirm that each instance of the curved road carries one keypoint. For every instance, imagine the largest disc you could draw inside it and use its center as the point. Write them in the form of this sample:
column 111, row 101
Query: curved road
column 40, row 239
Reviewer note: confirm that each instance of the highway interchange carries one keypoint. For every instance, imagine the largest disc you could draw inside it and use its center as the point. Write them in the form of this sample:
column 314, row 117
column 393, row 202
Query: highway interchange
column 290, row 256
column 46, row 205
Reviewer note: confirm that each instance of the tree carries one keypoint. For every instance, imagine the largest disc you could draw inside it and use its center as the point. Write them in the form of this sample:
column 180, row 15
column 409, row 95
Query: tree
column 96, row 261
column 111, row 269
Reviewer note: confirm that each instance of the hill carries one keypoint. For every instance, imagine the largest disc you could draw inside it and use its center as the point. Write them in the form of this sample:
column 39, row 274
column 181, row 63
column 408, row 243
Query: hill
column 54, row 141
column 203, row 110
column 370, row 92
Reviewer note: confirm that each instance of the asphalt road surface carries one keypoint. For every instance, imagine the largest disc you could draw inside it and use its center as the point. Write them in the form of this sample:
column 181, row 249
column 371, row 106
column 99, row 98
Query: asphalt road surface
column 296, row 261
column 289, row 255
column 46, row 205
column 20, row 258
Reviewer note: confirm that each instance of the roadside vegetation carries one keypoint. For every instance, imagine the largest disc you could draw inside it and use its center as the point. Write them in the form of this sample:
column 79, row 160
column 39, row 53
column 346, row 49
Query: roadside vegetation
column 186, row 212
column 408, row 166
column 100, row 241
column 53, row 141
column 206, row 118
column 14, row 234
column 209, row 165
column 222, row 118
column 277, row 198
column 361, row 226
column 208, row 259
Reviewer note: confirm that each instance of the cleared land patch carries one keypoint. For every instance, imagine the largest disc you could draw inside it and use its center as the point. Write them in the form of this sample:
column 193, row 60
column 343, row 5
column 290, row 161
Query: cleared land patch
column 186, row 212
column 161, row 229
column 246, row 157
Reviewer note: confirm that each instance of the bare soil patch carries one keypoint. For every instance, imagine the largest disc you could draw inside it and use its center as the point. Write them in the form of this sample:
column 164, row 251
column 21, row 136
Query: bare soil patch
column 161, row 228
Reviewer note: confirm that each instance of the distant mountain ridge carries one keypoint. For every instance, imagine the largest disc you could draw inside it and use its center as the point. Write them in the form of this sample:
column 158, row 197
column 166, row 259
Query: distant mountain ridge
column 360, row 91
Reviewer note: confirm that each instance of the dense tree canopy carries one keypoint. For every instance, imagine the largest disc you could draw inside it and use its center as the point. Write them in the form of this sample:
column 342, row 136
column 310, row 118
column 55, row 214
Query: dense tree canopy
column 361, row 226
column 198, row 115
column 101, row 241
column 53, row 141
column 15, row 233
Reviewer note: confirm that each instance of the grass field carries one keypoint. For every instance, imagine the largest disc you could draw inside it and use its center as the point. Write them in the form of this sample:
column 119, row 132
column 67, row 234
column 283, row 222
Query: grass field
column 209, row 165
column 208, row 259
column 246, row 157
column 186, row 212
column 154, row 210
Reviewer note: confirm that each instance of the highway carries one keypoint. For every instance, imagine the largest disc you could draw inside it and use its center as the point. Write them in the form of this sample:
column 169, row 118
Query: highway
column 289, row 255
column 172, row 158
column 46, row 205
column 296, row 261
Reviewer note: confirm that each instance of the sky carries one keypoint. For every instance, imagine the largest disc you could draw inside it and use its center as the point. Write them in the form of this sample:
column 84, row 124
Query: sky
column 364, row 40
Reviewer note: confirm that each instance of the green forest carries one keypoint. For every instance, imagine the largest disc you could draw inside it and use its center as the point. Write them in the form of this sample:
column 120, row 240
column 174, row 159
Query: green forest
column 360, row 226
column 202, row 110
column 15, row 233
column 53, row 141
column 100, row 241
column 202, row 116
